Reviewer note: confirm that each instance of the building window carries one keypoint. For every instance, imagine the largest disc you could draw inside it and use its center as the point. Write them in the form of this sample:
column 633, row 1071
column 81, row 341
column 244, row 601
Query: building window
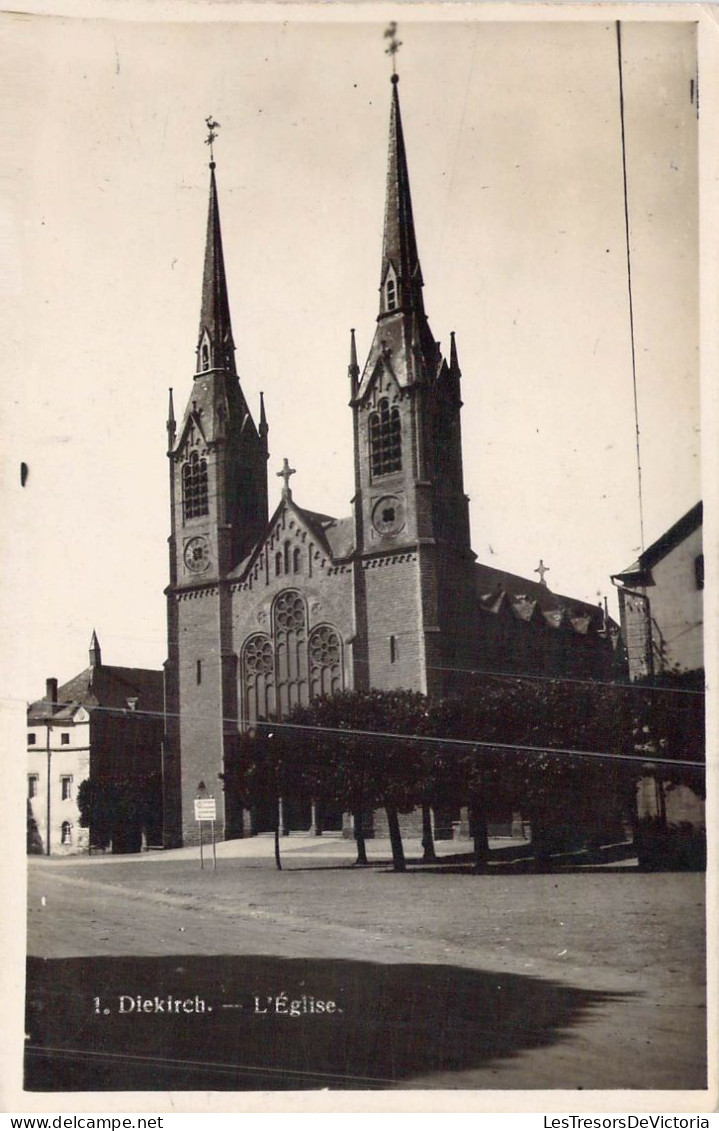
column 296, row 559
column 391, row 294
column 392, row 649
column 66, row 787
column 32, row 784
column 258, row 670
column 65, row 739
column 194, row 487
column 699, row 571
column 198, row 672
column 205, row 356
column 385, row 437
column 66, row 833
column 325, row 652
column 289, row 620
column 278, row 563
column 31, row 739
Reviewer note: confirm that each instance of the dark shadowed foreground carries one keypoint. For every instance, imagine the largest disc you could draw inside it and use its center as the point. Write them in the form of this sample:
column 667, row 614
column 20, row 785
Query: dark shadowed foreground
column 393, row 1025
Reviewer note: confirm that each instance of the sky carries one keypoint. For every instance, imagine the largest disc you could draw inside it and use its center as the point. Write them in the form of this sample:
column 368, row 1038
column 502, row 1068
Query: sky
column 513, row 140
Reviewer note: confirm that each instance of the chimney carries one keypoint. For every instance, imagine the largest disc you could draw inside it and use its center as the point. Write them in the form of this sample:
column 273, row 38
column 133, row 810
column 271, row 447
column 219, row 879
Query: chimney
column 51, row 690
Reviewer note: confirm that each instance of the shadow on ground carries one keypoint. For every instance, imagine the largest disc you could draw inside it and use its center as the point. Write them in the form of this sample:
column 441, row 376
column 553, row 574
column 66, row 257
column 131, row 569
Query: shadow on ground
column 395, row 1024
column 509, row 860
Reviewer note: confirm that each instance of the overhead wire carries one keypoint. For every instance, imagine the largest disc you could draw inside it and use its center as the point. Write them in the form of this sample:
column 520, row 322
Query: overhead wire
column 427, row 740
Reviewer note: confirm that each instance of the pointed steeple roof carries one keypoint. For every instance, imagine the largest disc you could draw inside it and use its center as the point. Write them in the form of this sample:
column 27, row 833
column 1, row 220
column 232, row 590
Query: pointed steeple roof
column 95, row 653
column 215, row 347
column 400, row 260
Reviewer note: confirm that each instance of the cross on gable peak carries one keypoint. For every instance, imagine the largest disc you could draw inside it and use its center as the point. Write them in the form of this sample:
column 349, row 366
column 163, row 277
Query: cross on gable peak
column 285, row 474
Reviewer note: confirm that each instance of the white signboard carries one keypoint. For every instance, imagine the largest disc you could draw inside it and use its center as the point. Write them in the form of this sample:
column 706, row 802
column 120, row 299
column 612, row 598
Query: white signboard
column 205, row 809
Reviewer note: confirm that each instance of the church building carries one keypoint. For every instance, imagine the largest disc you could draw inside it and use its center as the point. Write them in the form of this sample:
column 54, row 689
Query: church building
column 268, row 611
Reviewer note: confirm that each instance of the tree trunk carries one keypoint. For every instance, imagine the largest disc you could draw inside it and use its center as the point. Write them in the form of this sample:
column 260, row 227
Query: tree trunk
column 541, row 843
column 278, row 819
column 478, row 823
column 359, row 837
column 395, row 836
column 429, row 855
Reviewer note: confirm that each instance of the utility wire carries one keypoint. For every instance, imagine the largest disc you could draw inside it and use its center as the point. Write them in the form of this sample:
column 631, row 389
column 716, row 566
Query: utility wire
column 426, row 740
column 629, row 281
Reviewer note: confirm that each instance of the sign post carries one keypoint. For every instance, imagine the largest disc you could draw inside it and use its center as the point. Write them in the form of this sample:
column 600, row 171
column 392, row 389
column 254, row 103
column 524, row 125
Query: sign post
column 206, row 810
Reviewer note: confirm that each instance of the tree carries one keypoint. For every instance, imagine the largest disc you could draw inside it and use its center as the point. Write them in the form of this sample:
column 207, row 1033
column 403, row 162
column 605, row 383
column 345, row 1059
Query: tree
column 117, row 809
column 359, row 749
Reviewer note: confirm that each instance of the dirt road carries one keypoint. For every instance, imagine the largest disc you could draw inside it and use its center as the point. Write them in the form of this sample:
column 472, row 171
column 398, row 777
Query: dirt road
column 586, row 979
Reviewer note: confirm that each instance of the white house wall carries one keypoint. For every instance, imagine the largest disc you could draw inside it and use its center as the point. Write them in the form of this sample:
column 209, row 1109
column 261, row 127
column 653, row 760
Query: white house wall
column 69, row 759
column 677, row 608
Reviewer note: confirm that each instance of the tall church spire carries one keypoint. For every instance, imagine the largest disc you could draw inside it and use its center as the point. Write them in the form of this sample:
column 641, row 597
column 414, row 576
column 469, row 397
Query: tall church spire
column 401, row 279
column 215, row 347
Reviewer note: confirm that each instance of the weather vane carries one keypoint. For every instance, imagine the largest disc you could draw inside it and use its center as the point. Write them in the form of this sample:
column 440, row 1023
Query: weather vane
column 212, row 128
column 394, row 44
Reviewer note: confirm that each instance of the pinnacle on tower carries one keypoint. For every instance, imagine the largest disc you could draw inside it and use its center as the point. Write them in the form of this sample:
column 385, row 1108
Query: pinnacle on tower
column 453, row 359
column 353, row 369
column 215, row 347
column 264, row 426
column 95, row 653
column 171, row 423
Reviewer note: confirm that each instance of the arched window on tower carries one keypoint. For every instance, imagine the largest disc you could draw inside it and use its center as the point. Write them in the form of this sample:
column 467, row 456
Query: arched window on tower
column 194, row 487
column 205, row 357
column 296, row 557
column 391, row 294
column 385, row 438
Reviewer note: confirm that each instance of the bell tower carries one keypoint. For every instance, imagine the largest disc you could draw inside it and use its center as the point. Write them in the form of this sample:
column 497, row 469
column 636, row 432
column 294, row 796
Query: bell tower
column 218, row 498
column 411, row 512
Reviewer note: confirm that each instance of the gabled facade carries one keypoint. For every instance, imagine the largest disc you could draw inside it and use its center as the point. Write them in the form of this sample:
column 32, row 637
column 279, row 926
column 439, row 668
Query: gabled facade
column 265, row 614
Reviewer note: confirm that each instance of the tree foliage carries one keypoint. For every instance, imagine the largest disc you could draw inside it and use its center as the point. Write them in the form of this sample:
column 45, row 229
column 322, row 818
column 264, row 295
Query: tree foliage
column 116, row 810
column 553, row 749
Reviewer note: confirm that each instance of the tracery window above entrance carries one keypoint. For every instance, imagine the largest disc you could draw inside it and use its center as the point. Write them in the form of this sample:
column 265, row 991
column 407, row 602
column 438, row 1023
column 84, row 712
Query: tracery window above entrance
column 289, row 610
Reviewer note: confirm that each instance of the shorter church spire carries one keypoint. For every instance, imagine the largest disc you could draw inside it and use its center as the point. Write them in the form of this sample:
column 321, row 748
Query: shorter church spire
column 95, row 653
column 215, row 347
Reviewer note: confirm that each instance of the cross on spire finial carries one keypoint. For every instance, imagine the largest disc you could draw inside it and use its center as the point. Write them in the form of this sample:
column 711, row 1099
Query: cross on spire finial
column 212, row 128
column 393, row 46
column 541, row 570
column 285, row 474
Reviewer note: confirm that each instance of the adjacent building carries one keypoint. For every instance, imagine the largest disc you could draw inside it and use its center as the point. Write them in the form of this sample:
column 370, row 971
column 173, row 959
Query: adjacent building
column 661, row 602
column 662, row 624
column 105, row 727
